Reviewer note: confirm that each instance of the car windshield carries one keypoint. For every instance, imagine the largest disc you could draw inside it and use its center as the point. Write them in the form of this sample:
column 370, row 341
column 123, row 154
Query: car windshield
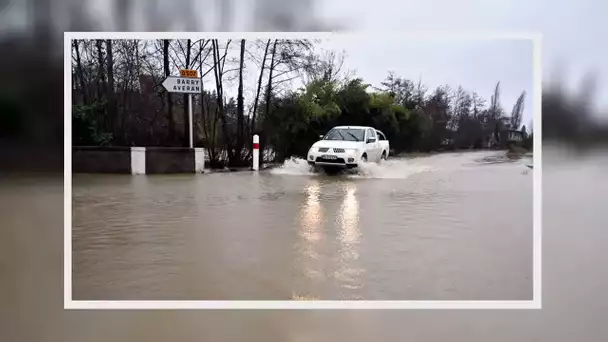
column 348, row 134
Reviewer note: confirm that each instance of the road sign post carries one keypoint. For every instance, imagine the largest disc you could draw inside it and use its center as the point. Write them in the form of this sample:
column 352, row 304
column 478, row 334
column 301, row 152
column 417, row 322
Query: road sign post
column 256, row 152
column 190, row 120
column 187, row 83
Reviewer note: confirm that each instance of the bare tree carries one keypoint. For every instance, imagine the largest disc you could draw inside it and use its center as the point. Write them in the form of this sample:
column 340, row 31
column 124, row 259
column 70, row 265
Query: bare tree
column 517, row 112
column 495, row 109
column 327, row 67
column 185, row 97
column 402, row 90
column 166, row 43
column 240, row 106
column 80, row 72
column 460, row 108
column 218, row 70
column 259, row 87
column 420, row 94
column 209, row 117
column 111, row 108
column 271, row 68
column 478, row 104
column 287, row 59
column 100, row 68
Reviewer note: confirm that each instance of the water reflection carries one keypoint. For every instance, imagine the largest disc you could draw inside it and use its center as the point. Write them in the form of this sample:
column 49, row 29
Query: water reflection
column 312, row 214
column 348, row 273
column 349, row 218
column 312, row 235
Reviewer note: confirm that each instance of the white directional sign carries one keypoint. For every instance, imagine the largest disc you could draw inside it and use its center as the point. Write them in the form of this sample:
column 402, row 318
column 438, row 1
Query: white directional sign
column 188, row 83
column 184, row 85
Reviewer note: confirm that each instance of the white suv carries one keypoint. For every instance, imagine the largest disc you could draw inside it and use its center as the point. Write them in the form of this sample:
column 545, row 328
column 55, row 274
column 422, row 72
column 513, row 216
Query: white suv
column 348, row 146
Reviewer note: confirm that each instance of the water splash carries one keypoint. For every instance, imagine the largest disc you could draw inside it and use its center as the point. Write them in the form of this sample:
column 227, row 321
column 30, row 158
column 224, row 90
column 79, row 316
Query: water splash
column 402, row 168
column 294, row 167
column 389, row 169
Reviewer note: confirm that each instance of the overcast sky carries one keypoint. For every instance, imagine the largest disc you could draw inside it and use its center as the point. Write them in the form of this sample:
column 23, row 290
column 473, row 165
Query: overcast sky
column 574, row 32
column 476, row 65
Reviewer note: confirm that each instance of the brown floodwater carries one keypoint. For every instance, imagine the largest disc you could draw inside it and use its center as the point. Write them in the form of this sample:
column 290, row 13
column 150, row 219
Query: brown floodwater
column 452, row 226
column 574, row 280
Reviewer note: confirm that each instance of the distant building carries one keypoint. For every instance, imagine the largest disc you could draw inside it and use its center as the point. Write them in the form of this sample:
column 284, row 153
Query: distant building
column 503, row 135
column 515, row 136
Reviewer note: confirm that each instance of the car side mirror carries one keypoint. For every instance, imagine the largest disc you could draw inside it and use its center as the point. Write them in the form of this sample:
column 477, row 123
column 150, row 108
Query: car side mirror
column 321, row 136
column 371, row 140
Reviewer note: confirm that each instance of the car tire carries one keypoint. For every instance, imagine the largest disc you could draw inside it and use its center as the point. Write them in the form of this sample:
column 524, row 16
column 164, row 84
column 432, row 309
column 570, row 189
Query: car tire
column 364, row 158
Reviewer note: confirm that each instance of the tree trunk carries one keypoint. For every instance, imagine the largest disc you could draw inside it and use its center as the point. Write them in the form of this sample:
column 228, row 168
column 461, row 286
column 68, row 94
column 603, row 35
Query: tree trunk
column 100, row 69
column 186, row 104
column 240, row 107
column 169, row 97
column 80, row 74
column 270, row 72
column 257, row 95
column 218, row 72
column 110, row 88
column 203, row 118
column 268, row 93
column 257, row 99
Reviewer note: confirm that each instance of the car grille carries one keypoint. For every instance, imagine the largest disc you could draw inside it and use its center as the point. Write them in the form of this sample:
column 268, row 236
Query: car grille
column 333, row 161
column 338, row 150
column 323, row 149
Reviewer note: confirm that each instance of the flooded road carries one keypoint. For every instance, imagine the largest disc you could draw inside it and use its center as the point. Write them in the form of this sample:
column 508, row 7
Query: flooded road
column 447, row 226
column 573, row 264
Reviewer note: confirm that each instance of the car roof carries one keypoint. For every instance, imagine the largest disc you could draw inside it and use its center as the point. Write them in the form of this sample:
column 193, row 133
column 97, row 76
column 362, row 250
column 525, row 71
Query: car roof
column 355, row 127
column 360, row 127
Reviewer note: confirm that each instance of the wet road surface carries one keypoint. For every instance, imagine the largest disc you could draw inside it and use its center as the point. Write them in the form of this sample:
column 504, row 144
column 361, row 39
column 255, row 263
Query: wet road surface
column 574, row 277
column 448, row 226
